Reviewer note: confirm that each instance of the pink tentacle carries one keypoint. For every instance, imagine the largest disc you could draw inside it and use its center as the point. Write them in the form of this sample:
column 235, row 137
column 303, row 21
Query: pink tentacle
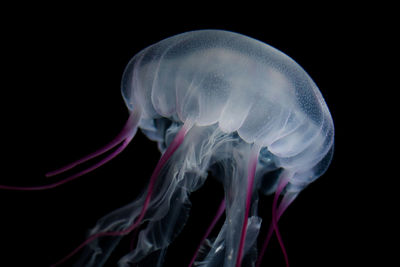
column 282, row 183
column 178, row 140
column 276, row 214
column 125, row 137
column 220, row 211
column 129, row 129
column 73, row 177
column 285, row 203
column 250, row 180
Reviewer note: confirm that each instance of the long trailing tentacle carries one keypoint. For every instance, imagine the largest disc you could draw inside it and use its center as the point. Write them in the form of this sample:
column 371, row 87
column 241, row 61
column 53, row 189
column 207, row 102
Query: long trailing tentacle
column 73, row 177
column 128, row 131
column 178, row 140
column 125, row 136
column 281, row 185
column 217, row 216
column 277, row 212
column 251, row 171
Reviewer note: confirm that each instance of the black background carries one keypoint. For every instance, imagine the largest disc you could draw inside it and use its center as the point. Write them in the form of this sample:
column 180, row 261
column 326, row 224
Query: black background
column 61, row 100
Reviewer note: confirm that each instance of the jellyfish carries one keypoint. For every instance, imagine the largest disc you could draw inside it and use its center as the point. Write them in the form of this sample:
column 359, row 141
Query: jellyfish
column 215, row 102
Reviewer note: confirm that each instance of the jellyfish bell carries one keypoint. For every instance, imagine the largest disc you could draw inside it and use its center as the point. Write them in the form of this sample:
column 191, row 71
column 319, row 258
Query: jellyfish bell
column 214, row 101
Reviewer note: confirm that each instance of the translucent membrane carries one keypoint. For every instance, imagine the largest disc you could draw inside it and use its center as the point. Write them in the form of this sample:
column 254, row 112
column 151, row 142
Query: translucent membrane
column 168, row 153
column 218, row 215
column 250, row 180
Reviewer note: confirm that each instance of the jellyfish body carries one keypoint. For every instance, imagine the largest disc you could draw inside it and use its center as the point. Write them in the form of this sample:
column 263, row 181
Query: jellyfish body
column 221, row 102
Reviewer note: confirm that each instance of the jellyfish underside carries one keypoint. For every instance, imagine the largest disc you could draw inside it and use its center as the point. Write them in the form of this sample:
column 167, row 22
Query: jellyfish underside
column 217, row 102
column 189, row 153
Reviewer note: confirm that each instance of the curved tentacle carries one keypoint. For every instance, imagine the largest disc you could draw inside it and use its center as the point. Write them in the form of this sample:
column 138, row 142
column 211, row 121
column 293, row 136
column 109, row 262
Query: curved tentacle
column 277, row 212
column 164, row 158
column 125, row 136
